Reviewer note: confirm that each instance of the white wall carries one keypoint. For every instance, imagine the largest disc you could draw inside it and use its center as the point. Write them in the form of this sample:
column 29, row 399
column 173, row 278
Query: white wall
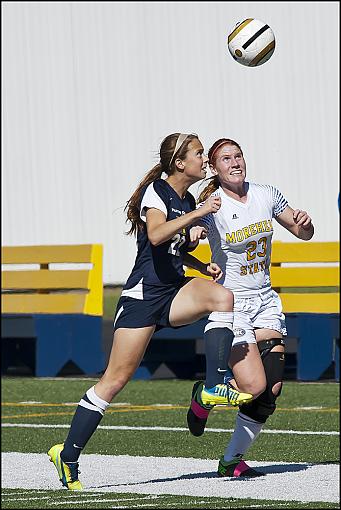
column 91, row 89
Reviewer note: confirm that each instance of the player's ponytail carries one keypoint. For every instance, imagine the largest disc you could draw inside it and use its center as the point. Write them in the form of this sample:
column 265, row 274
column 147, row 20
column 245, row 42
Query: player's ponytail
column 133, row 205
column 210, row 188
column 174, row 146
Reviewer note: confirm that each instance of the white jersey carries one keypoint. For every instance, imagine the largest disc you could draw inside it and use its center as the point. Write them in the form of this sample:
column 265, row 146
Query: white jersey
column 240, row 237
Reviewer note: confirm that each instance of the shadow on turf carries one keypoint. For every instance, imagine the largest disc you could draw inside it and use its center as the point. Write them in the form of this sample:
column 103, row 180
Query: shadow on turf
column 267, row 470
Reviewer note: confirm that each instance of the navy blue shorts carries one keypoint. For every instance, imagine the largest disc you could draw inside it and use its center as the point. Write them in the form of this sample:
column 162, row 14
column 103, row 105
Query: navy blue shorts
column 140, row 313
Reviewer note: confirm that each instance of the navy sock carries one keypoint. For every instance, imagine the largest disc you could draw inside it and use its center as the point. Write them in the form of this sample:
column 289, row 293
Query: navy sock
column 218, row 338
column 85, row 421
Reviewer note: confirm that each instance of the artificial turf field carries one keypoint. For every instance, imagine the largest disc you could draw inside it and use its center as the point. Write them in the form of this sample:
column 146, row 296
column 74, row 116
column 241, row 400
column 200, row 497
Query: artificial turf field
column 142, row 455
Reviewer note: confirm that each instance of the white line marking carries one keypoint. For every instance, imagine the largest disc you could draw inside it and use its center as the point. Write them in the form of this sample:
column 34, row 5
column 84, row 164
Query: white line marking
column 169, row 429
column 284, row 481
column 102, row 501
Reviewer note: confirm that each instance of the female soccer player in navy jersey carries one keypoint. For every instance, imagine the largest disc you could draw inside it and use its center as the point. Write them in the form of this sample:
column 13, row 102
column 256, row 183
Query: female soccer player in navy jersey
column 157, row 294
column 240, row 236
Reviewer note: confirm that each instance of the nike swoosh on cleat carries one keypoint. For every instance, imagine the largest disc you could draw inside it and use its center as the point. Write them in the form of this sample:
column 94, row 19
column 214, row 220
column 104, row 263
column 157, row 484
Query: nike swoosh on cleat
column 75, row 446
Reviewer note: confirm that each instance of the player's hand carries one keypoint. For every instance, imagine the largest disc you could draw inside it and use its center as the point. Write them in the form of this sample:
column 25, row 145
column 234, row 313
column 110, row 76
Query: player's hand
column 197, row 233
column 302, row 219
column 214, row 270
column 211, row 205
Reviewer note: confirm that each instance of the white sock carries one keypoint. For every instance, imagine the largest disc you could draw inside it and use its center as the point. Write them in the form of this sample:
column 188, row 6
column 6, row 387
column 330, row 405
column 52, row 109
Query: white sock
column 97, row 403
column 245, row 432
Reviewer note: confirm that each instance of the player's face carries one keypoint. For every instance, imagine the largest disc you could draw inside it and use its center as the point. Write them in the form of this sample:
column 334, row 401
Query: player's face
column 230, row 166
column 195, row 162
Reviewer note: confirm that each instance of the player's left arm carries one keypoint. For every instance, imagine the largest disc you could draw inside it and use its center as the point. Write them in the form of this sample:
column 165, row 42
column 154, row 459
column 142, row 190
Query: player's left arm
column 297, row 222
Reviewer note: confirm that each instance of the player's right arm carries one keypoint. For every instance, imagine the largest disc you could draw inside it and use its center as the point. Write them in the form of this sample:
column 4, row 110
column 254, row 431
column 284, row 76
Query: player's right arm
column 201, row 228
column 206, row 268
column 297, row 222
column 160, row 230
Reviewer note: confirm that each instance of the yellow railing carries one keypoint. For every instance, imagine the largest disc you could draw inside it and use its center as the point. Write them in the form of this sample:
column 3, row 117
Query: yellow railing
column 52, row 290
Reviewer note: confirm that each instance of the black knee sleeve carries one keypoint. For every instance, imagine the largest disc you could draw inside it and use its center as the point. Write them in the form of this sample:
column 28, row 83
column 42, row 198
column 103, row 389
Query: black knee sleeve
column 265, row 404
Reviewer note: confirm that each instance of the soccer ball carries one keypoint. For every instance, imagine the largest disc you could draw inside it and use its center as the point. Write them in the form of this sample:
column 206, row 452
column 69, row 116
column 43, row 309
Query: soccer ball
column 251, row 42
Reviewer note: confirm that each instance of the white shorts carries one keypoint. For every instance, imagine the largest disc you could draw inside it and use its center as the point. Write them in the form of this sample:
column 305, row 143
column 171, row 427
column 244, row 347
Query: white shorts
column 263, row 310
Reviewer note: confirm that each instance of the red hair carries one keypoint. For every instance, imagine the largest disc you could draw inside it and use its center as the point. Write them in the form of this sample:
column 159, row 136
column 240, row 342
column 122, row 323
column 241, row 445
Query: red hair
column 219, row 143
column 213, row 184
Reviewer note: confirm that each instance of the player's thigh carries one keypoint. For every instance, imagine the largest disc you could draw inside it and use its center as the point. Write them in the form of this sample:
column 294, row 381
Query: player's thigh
column 269, row 334
column 197, row 298
column 128, row 348
column 248, row 369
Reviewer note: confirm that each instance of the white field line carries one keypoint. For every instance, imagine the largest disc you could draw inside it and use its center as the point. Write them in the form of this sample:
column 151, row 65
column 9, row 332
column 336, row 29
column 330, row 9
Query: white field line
column 284, row 481
column 56, row 503
column 59, row 378
column 170, row 429
column 70, row 502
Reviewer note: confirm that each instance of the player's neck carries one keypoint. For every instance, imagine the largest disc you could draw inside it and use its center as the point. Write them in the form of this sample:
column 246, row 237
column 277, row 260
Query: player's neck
column 236, row 192
column 178, row 185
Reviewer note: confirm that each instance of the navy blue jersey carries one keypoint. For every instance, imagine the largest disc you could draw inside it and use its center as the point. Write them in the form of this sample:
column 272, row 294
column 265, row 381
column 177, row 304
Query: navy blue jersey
column 158, row 267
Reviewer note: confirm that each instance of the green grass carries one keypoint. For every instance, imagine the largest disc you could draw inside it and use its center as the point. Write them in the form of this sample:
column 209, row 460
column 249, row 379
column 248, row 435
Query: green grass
column 301, row 407
column 16, row 498
column 312, row 290
column 288, row 416
column 110, row 297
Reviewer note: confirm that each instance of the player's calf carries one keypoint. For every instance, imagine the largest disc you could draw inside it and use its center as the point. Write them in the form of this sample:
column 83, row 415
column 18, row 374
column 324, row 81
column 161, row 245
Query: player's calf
column 265, row 404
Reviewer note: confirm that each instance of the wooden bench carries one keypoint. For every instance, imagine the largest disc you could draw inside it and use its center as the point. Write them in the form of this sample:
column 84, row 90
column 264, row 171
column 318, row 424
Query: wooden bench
column 54, row 295
column 306, row 276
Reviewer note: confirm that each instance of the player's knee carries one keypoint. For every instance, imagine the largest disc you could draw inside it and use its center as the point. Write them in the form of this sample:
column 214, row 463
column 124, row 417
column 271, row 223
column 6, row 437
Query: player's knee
column 276, row 389
column 222, row 300
column 260, row 408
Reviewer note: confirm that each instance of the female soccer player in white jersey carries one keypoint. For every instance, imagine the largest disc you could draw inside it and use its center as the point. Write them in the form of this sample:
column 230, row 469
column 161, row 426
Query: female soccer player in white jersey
column 156, row 294
column 240, row 236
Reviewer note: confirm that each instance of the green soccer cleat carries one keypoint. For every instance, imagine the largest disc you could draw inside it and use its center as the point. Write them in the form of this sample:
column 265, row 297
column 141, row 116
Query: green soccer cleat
column 67, row 471
column 224, row 394
column 237, row 468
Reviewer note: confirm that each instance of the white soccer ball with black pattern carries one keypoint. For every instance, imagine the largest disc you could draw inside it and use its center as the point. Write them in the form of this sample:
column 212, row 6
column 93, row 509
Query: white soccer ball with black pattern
column 251, row 42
